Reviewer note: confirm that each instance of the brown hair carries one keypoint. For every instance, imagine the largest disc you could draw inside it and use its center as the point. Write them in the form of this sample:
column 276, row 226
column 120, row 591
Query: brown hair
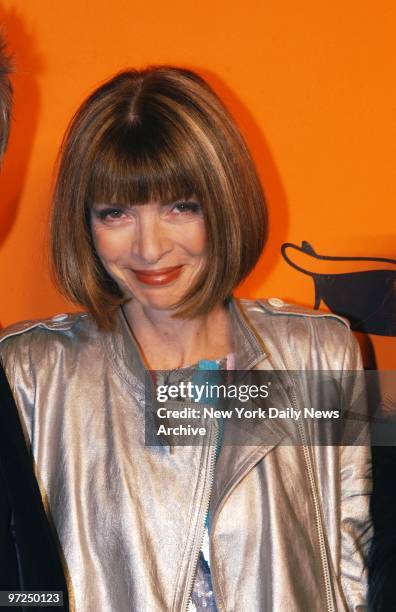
column 5, row 97
column 156, row 134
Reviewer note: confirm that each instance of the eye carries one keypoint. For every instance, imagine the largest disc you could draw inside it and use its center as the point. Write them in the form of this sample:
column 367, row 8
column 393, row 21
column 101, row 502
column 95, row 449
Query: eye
column 186, row 207
column 109, row 214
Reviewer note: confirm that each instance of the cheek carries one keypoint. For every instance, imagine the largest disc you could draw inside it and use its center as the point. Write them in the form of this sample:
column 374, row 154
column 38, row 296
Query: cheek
column 196, row 241
column 108, row 245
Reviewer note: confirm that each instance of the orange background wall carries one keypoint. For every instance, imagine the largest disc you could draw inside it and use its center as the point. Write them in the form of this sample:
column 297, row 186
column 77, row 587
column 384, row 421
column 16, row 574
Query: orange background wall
column 312, row 85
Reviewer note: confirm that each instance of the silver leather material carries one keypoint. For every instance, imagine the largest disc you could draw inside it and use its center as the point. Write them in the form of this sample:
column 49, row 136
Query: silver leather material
column 289, row 524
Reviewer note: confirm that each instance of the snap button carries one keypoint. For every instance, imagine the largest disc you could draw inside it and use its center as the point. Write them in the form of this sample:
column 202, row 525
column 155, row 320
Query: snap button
column 59, row 317
column 276, row 302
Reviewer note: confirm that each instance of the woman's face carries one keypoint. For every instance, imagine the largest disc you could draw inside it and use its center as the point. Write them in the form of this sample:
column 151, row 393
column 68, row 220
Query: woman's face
column 154, row 252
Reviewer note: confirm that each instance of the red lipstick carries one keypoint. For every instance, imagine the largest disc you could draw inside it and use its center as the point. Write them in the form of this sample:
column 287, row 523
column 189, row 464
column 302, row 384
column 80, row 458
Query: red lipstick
column 159, row 277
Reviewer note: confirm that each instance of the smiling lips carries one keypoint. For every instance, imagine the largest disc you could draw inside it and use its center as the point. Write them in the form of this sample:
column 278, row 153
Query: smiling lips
column 159, row 277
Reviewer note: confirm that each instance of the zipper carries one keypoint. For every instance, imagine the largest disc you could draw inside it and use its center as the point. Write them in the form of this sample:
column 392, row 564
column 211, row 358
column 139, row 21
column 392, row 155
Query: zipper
column 318, row 518
column 307, row 458
column 204, row 511
column 250, row 330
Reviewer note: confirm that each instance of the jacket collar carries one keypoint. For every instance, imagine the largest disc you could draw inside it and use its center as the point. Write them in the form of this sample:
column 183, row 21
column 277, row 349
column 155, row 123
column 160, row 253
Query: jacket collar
column 248, row 345
column 127, row 360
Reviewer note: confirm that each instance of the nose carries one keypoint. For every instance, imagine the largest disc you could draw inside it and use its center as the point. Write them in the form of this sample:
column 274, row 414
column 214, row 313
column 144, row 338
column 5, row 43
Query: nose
column 151, row 241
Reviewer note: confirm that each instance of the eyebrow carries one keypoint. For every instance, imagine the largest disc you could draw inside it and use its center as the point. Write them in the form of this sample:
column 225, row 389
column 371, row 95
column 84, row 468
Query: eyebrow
column 191, row 199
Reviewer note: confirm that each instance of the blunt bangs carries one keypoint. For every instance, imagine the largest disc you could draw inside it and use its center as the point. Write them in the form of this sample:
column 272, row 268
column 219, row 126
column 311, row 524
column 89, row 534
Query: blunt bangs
column 134, row 166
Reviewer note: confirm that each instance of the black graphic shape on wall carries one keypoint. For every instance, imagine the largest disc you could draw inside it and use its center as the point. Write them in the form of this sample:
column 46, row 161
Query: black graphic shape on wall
column 367, row 298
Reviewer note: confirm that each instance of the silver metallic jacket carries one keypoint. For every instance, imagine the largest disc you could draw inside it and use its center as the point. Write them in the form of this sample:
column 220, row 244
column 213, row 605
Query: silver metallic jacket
column 290, row 524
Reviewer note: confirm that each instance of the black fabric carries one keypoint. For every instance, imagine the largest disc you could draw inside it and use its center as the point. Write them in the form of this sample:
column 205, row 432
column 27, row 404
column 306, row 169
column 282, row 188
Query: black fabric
column 382, row 559
column 29, row 559
column 8, row 561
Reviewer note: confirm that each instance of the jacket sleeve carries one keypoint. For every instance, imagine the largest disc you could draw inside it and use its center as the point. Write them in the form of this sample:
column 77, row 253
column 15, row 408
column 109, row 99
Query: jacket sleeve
column 29, row 558
column 355, row 484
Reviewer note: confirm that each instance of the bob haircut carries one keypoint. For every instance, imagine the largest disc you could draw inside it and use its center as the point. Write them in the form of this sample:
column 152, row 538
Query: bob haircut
column 158, row 134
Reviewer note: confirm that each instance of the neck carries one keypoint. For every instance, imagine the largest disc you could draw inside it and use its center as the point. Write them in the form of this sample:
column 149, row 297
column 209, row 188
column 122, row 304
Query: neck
column 167, row 342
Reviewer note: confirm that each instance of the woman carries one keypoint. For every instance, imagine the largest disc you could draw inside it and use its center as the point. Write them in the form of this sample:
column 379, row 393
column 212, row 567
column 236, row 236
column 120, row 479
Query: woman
column 158, row 215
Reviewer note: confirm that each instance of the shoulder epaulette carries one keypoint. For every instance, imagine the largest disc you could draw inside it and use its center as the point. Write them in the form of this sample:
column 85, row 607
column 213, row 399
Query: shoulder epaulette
column 277, row 306
column 59, row 322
